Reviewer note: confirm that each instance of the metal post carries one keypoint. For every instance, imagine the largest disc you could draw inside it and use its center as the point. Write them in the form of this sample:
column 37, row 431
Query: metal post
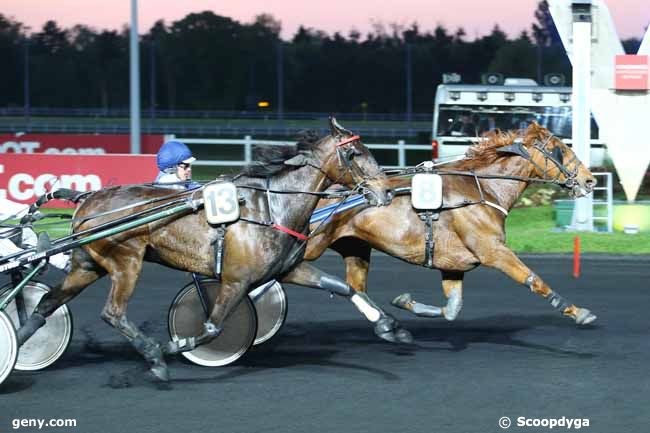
column 280, row 78
column 135, row 80
column 401, row 154
column 248, row 149
column 581, row 127
column 409, row 84
column 27, row 108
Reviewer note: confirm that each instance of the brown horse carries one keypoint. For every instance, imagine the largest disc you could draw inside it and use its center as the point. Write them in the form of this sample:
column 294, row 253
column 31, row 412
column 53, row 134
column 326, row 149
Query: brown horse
column 254, row 251
column 467, row 236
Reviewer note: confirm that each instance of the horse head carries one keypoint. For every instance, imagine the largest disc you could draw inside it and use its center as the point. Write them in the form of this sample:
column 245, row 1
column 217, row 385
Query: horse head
column 345, row 160
column 553, row 160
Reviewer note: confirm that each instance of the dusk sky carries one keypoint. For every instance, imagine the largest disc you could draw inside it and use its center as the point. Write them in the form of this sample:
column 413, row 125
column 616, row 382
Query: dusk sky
column 477, row 17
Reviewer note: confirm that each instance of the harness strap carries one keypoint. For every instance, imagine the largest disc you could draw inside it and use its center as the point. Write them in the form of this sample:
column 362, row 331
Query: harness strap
column 349, row 140
column 496, row 206
column 288, row 231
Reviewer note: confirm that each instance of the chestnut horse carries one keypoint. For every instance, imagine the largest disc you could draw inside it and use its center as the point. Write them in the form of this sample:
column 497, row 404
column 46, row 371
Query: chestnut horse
column 467, row 236
column 283, row 191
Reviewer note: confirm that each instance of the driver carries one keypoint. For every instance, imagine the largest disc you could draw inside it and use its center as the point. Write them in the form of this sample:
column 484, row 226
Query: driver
column 174, row 161
column 28, row 239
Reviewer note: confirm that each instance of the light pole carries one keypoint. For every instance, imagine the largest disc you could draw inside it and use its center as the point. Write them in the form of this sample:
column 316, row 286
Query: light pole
column 26, row 102
column 581, row 121
column 135, row 80
column 280, row 75
column 152, row 80
column 409, row 84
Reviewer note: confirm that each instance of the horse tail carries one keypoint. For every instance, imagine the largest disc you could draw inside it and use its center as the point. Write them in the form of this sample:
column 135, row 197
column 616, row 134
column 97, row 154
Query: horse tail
column 60, row 194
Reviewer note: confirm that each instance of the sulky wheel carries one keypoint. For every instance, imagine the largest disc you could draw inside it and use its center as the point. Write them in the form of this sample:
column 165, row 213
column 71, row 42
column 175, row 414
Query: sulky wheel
column 186, row 318
column 8, row 346
column 48, row 343
column 271, row 305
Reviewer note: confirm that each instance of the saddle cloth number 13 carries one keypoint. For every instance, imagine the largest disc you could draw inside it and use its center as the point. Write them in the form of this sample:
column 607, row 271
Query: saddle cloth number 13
column 221, row 203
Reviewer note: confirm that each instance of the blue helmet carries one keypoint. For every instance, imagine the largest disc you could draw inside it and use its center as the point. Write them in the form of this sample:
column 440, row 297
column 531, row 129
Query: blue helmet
column 173, row 153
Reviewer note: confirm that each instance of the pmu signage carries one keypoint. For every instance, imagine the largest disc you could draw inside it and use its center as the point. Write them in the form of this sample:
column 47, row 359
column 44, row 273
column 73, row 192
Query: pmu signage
column 23, row 178
column 631, row 72
column 72, row 144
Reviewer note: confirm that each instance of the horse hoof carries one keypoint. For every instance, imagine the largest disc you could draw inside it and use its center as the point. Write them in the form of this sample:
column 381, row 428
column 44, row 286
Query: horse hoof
column 402, row 300
column 160, row 373
column 403, row 336
column 388, row 329
column 584, row 316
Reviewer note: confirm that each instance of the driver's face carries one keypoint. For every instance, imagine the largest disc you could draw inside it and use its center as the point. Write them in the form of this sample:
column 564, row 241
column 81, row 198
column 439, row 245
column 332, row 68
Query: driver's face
column 184, row 171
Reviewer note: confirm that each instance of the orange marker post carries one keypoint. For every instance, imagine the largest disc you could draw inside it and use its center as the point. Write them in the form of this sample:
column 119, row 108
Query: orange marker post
column 576, row 257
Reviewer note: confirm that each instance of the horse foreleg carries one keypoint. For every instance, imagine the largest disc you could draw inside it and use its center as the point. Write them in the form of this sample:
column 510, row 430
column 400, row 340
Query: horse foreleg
column 356, row 254
column 385, row 325
column 507, row 262
column 229, row 295
column 452, row 286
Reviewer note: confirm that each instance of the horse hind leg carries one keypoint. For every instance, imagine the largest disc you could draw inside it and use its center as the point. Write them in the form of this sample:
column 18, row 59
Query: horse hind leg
column 452, row 285
column 124, row 270
column 82, row 274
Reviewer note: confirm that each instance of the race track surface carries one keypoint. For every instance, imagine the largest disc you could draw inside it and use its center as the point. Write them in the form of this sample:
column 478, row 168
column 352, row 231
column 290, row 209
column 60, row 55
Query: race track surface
column 508, row 354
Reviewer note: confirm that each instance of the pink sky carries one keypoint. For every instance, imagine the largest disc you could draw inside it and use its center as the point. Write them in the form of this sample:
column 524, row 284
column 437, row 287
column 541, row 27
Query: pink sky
column 477, row 17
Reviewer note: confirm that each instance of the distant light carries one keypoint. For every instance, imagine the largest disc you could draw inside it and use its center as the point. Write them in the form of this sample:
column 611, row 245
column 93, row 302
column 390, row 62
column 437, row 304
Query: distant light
column 263, row 104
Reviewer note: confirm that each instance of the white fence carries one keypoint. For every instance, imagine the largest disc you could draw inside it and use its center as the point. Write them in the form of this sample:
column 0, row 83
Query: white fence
column 248, row 142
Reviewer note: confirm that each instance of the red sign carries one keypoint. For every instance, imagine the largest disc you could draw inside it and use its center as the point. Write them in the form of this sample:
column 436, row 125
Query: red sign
column 86, row 144
column 632, row 72
column 23, row 178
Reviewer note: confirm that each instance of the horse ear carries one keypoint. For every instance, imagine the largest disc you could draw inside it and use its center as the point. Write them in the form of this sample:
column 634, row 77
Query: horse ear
column 300, row 160
column 514, row 149
column 337, row 129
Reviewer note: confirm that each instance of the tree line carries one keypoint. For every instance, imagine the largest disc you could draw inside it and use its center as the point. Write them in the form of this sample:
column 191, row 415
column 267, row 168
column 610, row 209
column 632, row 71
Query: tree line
column 209, row 62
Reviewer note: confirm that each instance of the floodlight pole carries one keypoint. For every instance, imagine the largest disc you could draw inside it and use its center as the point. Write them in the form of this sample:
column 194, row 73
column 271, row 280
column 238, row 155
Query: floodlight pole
column 581, row 121
column 135, row 80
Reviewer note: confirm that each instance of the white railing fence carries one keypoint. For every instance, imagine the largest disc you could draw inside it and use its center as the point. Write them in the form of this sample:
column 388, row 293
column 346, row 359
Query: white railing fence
column 248, row 142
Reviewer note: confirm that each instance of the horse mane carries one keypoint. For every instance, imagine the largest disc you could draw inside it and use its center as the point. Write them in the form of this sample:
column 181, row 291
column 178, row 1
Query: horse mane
column 270, row 159
column 484, row 152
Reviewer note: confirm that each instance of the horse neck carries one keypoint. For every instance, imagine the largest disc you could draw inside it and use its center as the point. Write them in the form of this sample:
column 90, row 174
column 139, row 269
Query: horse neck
column 506, row 191
column 295, row 210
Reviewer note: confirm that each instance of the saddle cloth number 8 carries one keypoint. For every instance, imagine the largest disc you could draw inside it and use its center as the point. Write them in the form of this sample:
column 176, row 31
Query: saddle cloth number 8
column 426, row 191
column 221, row 203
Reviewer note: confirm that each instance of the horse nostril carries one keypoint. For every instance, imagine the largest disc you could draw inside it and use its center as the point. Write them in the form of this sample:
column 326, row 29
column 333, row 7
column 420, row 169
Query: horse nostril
column 591, row 183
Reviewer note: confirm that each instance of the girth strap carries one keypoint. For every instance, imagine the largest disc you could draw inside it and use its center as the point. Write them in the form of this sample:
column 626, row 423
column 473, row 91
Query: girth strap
column 218, row 251
column 429, row 243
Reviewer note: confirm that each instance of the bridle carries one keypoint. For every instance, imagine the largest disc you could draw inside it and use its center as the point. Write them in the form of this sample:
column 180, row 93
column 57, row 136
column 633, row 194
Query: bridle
column 556, row 156
column 345, row 153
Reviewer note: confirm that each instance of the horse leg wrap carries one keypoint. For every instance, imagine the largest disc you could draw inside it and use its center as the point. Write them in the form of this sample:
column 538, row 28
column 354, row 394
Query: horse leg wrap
column 531, row 280
column 210, row 331
column 558, row 302
column 367, row 307
column 30, row 327
column 454, row 304
column 153, row 354
column 335, row 285
column 424, row 310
